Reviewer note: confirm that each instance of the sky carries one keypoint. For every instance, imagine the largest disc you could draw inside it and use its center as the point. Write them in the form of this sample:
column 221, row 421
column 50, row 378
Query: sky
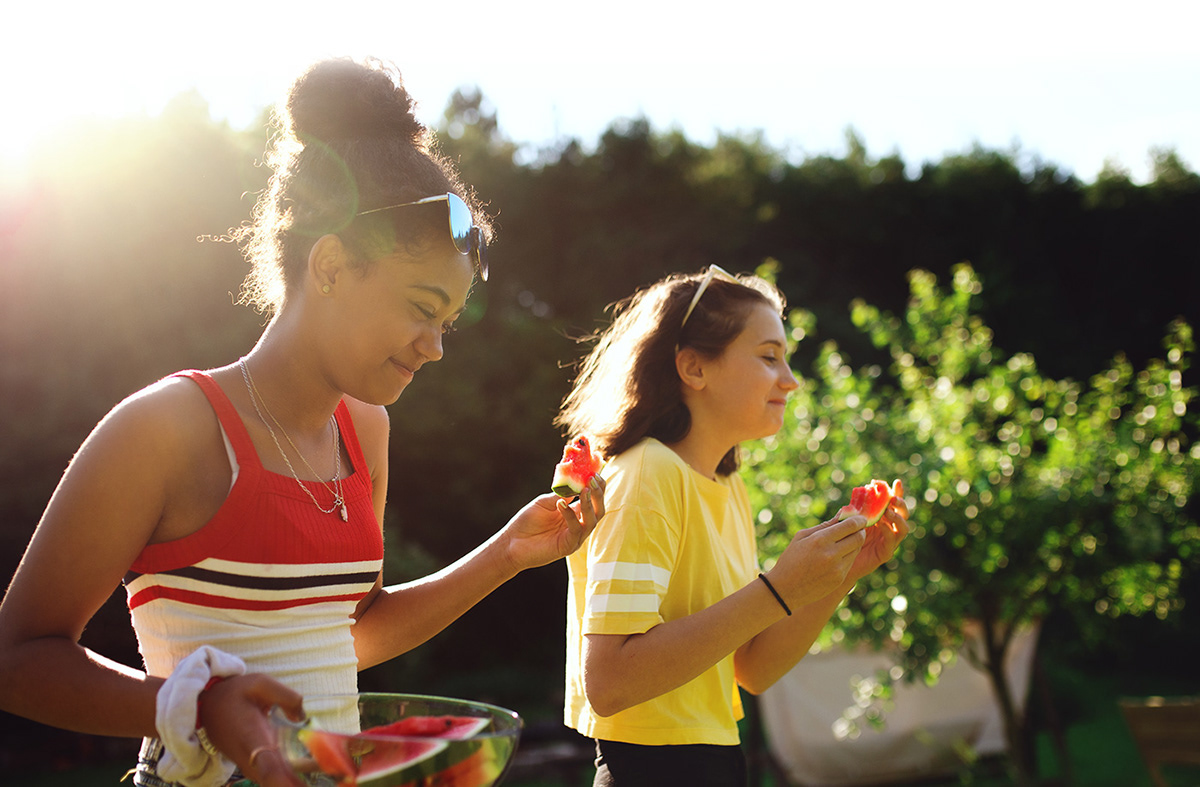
column 1074, row 84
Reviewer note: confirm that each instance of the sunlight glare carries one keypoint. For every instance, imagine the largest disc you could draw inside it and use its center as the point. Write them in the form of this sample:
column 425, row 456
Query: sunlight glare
column 1107, row 89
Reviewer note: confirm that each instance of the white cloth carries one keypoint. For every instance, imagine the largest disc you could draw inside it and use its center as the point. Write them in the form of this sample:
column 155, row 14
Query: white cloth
column 924, row 733
column 185, row 761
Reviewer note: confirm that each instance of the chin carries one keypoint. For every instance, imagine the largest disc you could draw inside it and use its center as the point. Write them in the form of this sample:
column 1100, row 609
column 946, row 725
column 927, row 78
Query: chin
column 392, row 399
column 772, row 430
column 381, row 397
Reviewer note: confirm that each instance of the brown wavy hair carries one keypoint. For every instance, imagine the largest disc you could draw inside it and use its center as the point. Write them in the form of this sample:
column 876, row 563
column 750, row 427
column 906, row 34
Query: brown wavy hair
column 344, row 140
column 628, row 388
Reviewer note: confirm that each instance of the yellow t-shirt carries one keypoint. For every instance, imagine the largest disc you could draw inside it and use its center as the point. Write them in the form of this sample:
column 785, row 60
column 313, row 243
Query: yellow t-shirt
column 672, row 543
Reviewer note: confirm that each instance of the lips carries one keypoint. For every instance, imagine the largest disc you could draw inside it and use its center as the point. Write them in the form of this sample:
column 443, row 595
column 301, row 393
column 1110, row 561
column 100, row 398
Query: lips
column 404, row 369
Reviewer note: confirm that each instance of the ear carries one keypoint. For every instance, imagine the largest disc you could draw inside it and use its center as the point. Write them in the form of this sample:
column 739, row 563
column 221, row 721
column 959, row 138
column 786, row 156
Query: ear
column 327, row 262
column 689, row 364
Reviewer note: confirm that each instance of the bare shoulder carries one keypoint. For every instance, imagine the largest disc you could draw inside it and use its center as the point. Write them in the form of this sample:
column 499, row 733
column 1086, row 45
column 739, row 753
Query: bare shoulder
column 114, row 498
column 158, row 435
column 127, row 483
column 168, row 412
column 367, row 416
column 166, row 439
column 373, row 425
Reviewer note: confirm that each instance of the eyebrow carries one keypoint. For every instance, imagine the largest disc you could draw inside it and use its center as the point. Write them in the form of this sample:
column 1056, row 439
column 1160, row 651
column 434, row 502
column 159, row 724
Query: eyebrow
column 433, row 290
column 439, row 293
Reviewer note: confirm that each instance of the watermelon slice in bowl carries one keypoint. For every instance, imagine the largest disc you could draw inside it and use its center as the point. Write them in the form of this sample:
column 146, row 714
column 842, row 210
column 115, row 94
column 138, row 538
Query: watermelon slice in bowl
column 578, row 467
column 399, row 740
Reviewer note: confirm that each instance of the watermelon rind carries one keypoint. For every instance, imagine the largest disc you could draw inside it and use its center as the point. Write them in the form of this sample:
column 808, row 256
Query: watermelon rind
column 579, row 465
column 566, row 481
column 380, row 770
column 449, row 727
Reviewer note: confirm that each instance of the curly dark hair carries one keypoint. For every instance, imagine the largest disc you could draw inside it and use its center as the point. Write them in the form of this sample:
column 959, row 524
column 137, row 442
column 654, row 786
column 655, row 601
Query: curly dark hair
column 344, row 140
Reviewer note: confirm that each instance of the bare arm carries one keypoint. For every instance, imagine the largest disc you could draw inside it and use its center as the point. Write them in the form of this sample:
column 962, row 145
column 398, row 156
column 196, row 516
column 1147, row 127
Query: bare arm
column 103, row 512
column 770, row 655
column 401, row 617
column 396, row 619
column 141, row 476
column 623, row 671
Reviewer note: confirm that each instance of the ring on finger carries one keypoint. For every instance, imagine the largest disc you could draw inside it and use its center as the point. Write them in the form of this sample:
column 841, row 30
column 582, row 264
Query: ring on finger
column 254, row 754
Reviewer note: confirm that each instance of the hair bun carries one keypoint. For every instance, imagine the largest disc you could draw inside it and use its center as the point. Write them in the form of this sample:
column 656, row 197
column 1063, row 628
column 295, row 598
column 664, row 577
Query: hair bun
column 342, row 99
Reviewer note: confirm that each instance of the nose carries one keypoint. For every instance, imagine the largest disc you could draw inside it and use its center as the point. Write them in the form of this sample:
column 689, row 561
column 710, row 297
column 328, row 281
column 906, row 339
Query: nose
column 787, row 380
column 429, row 343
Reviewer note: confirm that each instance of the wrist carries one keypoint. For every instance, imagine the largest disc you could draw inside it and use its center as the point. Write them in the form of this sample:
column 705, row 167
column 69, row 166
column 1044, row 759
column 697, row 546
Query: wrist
column 189, row 756
column 213, row 681
column 775, row 593
column 501, row 553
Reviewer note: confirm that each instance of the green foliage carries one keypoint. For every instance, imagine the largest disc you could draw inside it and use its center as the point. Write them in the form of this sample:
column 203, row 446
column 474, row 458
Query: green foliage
column 1029, row 494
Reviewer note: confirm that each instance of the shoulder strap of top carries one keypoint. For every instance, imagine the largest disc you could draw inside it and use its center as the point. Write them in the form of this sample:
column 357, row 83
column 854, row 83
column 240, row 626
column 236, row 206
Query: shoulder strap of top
column 350, row 438
column 227, row 414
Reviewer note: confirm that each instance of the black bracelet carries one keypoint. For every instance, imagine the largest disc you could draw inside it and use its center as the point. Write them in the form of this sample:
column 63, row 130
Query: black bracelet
column 775, row 593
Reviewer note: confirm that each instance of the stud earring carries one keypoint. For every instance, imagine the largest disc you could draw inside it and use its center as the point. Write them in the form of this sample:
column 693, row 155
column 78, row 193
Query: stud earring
column 325, row 289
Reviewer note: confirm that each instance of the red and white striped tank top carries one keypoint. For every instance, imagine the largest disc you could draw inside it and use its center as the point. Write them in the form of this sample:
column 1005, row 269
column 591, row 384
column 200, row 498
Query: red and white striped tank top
column 270, row 578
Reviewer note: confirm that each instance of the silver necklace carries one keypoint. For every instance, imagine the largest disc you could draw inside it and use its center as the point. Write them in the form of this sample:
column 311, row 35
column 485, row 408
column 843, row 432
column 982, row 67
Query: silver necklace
column 339, row 500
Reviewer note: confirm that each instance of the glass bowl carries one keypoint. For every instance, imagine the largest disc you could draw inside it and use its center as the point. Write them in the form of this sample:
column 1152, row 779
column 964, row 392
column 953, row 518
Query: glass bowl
column 389, row 740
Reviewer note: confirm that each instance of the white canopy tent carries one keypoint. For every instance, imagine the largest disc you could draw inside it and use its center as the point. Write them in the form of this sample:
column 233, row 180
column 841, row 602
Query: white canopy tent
column 923, row 735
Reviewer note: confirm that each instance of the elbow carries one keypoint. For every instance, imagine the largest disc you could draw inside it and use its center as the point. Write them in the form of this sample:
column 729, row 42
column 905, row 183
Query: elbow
column 604, row 711
column 602, row 704
column 612, row 681
column 753, row 681
column 603, row 697
column 754, row 688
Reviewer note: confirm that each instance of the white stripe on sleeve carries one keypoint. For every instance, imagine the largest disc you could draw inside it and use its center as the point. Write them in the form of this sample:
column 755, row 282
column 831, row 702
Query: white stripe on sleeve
column 607, row 603
column 630, row 572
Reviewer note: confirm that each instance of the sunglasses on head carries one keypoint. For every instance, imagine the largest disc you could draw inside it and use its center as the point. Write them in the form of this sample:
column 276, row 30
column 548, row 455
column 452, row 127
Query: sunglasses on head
column 714, row 271
column 466, row 236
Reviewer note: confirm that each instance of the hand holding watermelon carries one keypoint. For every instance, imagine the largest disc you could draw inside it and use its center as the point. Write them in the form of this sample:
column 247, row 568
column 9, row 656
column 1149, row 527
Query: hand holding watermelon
column 887, row 523
column 825, row 558
column 553, row 526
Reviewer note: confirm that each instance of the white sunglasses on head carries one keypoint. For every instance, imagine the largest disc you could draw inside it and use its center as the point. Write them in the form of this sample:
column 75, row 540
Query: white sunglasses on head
column 714, row 271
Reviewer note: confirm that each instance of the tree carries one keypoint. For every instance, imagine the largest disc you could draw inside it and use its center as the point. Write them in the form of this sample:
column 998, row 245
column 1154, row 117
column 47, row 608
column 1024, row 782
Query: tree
column 1031, row 494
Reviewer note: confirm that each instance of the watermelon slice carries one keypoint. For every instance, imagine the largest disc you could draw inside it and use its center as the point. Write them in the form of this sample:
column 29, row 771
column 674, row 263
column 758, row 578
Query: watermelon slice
column 331, row 753
column 397, row 758
column 452, row 727
column 578, row 467
column 374, row 754
column 871, row 500
column 478, row 770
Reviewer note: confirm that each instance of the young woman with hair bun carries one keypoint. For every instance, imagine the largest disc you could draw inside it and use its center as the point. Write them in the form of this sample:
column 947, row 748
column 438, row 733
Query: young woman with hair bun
column 241, row 506
column 668, row 612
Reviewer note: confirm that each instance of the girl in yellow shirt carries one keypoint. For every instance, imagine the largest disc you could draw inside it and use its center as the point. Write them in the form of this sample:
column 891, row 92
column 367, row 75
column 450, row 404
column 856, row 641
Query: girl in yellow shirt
column 667, row 611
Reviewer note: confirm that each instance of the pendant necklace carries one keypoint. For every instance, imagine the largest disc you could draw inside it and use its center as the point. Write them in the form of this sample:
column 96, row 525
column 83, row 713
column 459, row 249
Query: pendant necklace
column 339, row 500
